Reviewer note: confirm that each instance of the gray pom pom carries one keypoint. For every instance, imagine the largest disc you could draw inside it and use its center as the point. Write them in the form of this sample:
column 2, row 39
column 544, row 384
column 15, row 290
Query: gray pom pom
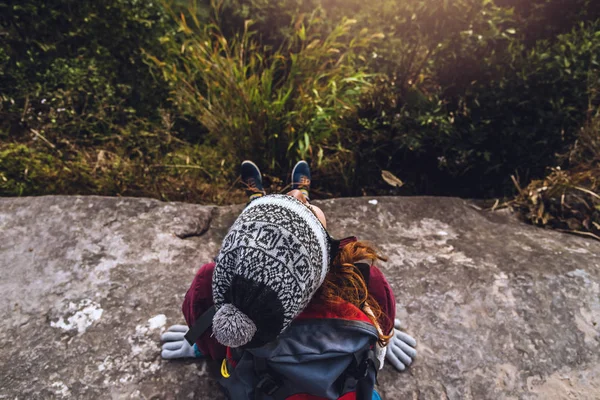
column 232, row 327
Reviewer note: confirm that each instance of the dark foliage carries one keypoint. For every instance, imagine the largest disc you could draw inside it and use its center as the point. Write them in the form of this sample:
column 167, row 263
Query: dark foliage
column 121, row 97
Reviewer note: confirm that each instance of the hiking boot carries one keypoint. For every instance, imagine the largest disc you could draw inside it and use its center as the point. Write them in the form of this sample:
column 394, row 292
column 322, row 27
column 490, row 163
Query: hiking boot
column 301, row 178
column 252, row 180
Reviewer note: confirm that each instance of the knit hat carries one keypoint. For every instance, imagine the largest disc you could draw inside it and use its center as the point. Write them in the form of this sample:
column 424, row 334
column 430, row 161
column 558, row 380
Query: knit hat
column 272, row 261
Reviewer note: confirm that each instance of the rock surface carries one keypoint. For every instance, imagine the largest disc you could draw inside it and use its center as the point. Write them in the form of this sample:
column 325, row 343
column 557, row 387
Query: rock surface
column 501, row 310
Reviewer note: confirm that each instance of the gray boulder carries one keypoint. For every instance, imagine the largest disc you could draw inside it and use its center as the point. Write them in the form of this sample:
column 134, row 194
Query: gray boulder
column 501, row 310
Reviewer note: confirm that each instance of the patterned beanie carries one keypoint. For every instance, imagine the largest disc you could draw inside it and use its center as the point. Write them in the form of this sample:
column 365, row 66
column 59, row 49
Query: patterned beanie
column 271, row 263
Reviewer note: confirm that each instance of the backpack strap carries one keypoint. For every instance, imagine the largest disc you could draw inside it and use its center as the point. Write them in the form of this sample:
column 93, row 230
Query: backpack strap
column 370, row 363
column 363, row 373
column 200, row 326
column 268, row 385
column 337, row 244
column 365, row 271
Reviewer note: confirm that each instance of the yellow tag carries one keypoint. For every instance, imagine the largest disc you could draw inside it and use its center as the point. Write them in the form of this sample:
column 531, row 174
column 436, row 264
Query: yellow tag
column 224, row 371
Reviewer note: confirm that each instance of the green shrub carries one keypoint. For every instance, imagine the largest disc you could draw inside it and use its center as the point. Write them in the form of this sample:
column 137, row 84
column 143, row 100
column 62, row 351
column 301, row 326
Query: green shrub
column 407, row 124
column 75, row 67
column 174, row 171
column 454, row 100
column 529, row 111
column 80, row 111
column 24, row 171
column 546, row 19
column 488, row 107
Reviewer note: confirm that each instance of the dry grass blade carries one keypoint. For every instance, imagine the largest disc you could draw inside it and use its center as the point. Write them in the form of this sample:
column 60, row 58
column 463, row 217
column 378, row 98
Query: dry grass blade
column 589, row 234
column 587, row 191
column 568, row 200
column 39, row 135
column 516, row 183
column 496, row 205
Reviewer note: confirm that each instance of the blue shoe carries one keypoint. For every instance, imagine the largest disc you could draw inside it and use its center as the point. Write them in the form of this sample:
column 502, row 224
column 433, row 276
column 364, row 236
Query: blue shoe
column 301, row 178
column 252, row 180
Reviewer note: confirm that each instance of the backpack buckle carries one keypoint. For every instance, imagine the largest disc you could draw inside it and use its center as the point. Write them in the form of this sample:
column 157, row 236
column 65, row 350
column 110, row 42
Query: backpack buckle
column 268, row 385
column 361, row 368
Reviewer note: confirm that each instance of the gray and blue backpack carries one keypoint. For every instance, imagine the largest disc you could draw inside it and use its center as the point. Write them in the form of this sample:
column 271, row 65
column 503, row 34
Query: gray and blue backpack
column 328, row 352
column 317, row 357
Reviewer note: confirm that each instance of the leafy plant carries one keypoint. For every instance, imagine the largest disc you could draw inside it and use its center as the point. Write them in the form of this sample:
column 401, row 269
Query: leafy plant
column 455, row 99
column 432, row 55
column 530, row 110
column 80, row 112
column 487, row 108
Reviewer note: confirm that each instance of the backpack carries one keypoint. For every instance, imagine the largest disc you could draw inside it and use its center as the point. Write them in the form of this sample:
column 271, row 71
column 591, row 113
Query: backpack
column 326, row 353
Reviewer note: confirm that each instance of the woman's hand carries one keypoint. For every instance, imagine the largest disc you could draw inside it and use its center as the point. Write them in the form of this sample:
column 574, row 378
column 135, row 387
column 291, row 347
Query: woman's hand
column 175, row 345
column 401, row 348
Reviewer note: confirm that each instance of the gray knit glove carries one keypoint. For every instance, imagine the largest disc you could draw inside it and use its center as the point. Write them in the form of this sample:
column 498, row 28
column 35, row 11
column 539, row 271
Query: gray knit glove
column 175, row 345
column 401, row 348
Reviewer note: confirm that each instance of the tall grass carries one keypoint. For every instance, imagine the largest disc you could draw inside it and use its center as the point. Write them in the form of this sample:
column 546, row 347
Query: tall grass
column 274, row 105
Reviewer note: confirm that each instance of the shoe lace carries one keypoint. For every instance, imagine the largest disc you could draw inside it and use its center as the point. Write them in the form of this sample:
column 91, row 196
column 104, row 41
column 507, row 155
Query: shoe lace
column 304, row 182
column 251, row 186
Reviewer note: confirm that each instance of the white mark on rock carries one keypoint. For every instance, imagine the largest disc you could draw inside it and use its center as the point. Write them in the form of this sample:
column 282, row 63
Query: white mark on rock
column 199, row 369
column 126, row 378
column 158, row 321
column 107, row 364
column 566, row 383
column 429, row 238
column 506, row 376
column 150, row 367
column 502, row 290
column 578, row 251
column 60, row 389
column 579, row 273
column 80, row 316
column 143, row 343
column 141, row 330
column 588, row 320
column 374, row 202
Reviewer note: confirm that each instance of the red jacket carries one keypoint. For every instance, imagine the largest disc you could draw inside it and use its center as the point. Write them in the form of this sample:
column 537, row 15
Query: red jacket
column 198, row 299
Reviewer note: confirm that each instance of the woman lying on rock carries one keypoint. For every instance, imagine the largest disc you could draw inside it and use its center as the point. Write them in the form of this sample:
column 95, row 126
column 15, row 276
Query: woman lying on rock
column 291, row 312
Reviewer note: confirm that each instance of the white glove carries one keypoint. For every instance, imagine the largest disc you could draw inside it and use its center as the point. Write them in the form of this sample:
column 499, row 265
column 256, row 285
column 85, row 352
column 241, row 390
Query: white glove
column 176, row 346
column 401, row 348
